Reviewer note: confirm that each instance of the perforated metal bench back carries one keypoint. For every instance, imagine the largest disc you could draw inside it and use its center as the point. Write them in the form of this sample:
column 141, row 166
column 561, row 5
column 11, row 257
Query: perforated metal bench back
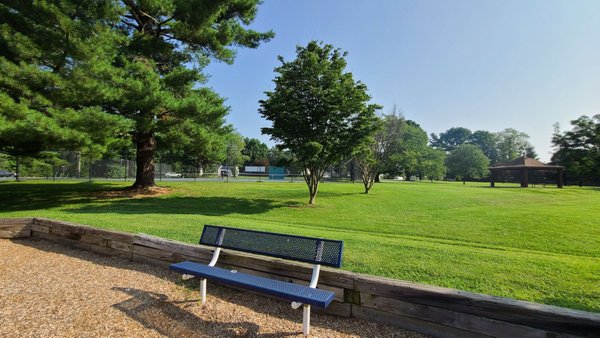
column 299, row 248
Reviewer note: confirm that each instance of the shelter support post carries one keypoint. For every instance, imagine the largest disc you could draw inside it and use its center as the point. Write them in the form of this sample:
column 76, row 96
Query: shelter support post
column 559, row 179
column 524, row 178
column 492, row 178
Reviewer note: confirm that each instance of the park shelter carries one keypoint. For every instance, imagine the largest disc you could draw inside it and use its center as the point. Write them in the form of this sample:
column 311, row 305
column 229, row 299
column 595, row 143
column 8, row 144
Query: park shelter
column 524, row 165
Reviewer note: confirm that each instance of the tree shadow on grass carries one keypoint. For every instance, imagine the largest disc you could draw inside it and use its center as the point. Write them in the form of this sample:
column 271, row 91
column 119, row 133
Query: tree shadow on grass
column 208, row 206
column 18, row 197
column 92, row 198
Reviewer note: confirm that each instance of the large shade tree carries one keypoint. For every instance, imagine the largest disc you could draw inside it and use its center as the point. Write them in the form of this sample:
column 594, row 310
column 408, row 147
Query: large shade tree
column 578, row 149
column 413, row 146
column 53, row 55
column 317, row 110
column 451, row 138
column 114, row 61
column 398, row 147
column 381, row 152
column 168, row 43
column 487, row 142
column 502, row 146
column 512, row 143
column 467, row 161
column 432, row 163
column 256, row 151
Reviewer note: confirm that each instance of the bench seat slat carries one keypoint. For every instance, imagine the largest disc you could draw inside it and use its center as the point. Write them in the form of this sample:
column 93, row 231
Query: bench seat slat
column 285, row 290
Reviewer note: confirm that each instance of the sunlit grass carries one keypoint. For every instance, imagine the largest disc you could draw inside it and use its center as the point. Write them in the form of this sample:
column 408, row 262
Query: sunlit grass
column 540, row 244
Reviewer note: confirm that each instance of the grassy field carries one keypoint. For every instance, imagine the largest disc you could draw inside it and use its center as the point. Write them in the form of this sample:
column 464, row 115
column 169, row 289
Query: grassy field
column 537, row 244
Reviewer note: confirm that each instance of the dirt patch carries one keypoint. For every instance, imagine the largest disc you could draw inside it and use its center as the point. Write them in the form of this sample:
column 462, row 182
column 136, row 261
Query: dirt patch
column 132, row 192
column 48, row 290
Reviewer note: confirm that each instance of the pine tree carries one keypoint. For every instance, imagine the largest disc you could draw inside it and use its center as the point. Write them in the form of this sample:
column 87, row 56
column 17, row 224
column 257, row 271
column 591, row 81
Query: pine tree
column 51, row 56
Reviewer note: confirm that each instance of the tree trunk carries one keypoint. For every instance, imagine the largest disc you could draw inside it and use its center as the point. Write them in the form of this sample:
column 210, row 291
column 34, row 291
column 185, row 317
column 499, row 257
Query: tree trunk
column 78, row 169
column 368, row 179
column 146, row 146
column 368, row 186
column 311, row 177
column 312, row 198
column 313, row 187
column 17, row 173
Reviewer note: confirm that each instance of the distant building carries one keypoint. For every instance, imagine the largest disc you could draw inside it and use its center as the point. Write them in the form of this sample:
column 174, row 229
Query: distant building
column 226, row 170
column 251, row 169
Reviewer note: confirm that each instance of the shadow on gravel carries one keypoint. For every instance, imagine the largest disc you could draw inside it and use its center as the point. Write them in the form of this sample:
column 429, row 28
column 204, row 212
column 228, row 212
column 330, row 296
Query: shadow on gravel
column 155, row 311
column 170, row 318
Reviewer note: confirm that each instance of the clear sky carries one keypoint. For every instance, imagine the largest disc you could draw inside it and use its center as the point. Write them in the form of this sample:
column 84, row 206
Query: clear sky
column 486, row 65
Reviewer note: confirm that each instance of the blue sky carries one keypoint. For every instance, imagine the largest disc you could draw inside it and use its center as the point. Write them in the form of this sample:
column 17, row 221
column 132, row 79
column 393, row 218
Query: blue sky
column 485, row 65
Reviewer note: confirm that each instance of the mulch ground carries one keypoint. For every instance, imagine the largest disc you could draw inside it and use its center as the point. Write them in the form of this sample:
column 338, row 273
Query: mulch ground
column 48, row 290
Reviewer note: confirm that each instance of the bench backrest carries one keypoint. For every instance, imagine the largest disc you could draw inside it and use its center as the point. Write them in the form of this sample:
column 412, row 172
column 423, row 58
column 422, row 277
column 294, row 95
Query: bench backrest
column 299, row 248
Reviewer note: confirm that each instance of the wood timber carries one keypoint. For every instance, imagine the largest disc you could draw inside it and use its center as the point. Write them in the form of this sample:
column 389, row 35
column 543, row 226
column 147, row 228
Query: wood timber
column 514, row 311
column 428, row 309
column 447, row 317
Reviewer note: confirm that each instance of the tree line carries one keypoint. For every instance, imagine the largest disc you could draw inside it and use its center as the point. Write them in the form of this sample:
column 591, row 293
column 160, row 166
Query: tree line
column 102, row 77
column 322, row 115
column 578, row 149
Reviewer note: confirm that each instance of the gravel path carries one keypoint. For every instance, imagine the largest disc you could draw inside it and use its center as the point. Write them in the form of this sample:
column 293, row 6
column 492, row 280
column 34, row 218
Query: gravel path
column 48, row 290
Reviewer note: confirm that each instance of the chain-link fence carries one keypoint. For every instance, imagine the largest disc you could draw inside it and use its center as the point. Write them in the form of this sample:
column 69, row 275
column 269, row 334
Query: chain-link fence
column 71, row 165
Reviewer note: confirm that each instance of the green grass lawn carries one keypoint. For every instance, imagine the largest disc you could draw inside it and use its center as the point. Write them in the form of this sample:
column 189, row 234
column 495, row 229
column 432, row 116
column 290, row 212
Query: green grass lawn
column 537, row 244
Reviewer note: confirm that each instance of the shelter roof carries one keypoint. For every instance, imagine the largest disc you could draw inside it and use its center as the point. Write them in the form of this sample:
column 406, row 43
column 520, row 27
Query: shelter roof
column 525, row 162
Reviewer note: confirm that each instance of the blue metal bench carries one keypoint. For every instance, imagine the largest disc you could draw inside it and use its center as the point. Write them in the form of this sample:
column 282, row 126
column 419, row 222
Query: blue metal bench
column 317, row 251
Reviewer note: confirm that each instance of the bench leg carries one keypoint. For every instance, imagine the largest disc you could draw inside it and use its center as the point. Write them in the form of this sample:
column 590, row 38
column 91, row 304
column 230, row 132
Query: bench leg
column 306, row 320
column 203, row 290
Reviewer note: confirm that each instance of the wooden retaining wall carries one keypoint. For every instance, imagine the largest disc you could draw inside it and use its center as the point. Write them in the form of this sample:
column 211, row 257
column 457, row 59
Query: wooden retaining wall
column 431, row 310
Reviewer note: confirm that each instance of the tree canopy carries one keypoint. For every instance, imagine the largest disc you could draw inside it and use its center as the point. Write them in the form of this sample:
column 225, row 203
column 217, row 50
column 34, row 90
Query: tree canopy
column 451, row 138
column 52, row 57
column 467, row 161
column 512, row 143
column 256, row 152
column 487, row 142
column 168, row 43
column 432, row 164
column 130, row 64
column 578, row 149
column 399, row 147
column 502, row 146
column 317, row 110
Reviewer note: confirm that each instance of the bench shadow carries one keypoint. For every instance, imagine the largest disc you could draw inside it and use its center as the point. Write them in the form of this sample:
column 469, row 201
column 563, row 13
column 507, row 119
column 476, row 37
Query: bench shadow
column 151, row 309
column 156, row 312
